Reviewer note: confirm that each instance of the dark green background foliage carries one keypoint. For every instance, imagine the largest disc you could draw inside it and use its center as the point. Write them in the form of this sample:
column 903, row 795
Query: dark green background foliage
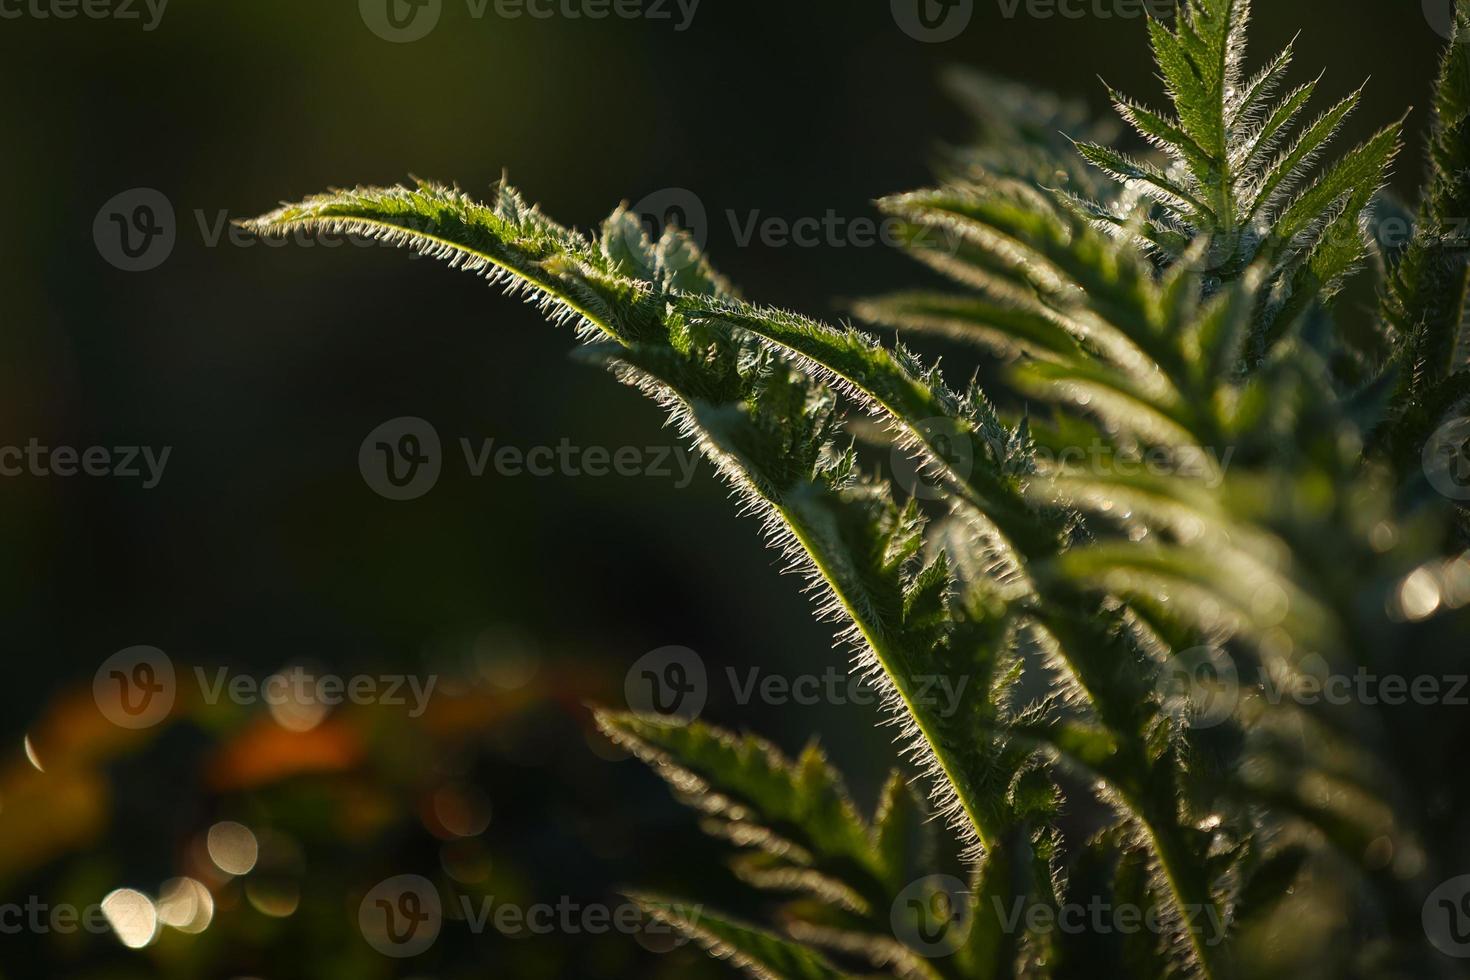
column 262, row 546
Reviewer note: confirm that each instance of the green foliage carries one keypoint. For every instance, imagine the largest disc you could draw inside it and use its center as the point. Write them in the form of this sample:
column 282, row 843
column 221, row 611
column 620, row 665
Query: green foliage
column 758, row 953
column 1236, row 187
column 1425, row 292
column 1183, row 318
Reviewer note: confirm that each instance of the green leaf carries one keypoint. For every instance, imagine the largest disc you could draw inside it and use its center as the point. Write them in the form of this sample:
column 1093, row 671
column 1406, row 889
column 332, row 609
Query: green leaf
column 1357, row 176
column 758, row 953
column 767, row 427
column 1123, row 168
column 1268, row 137
column 1185, row 311
column 1291, row 167
column 1224, row 189
column 760, row 798
column 1006, row 329
column 904, row 838
column 1425, row 296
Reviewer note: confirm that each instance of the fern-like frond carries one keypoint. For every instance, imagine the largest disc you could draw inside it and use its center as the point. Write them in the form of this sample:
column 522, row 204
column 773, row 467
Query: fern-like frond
column 1171, row 318
column 759, row 953
column 797, row 812
column 1424, row 298
column 1225, row 178
column 768, row 428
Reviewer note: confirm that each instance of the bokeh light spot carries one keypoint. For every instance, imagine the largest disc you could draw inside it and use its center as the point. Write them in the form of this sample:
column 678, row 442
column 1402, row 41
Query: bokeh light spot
column 132, row 916
column 232, row 847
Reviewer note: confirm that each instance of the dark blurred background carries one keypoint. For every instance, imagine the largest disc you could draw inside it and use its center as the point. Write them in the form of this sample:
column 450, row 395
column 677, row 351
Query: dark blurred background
column 262, row 547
